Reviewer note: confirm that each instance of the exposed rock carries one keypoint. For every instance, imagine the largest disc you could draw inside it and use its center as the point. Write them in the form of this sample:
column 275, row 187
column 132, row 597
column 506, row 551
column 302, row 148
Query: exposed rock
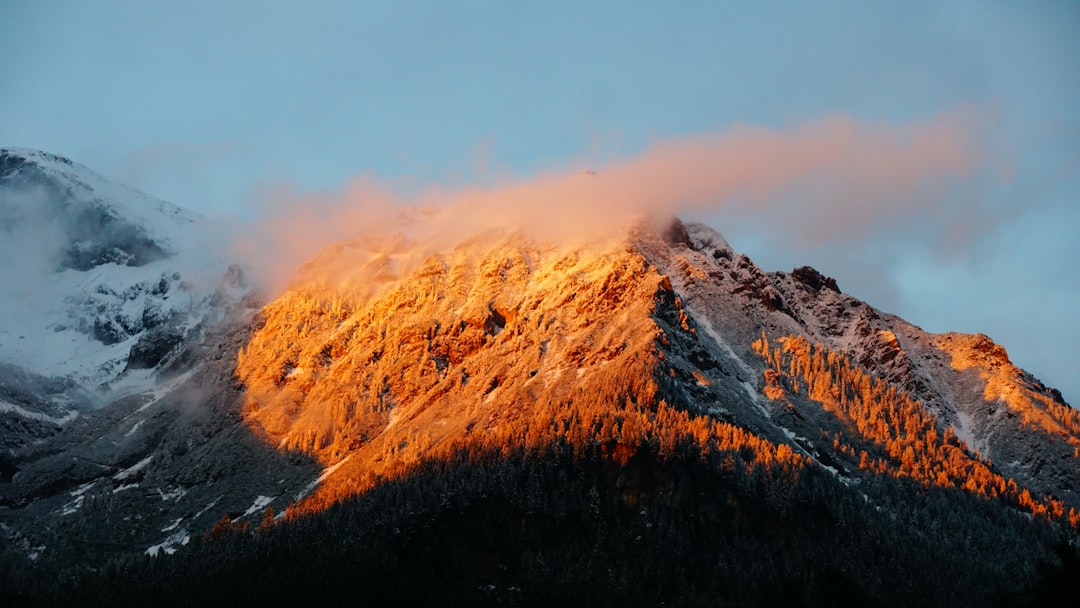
column 676, row 234
column 814, row 279
column 365, row 367
column 153, row 347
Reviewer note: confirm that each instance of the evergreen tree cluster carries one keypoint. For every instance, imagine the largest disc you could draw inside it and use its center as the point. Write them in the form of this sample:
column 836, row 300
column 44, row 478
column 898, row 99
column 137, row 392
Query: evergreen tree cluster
column 563, row 526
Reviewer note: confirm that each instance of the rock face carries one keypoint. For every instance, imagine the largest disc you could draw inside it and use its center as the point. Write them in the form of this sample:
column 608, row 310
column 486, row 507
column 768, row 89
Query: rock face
column 379, row 357
column 148, row 471
column 32, row 408
column 496, row 333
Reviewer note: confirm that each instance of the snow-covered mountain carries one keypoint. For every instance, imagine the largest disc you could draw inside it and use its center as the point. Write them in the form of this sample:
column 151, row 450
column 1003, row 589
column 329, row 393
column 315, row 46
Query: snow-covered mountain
column 447, row 341
column 100, row 285
column 118, row 324
column 144, row 402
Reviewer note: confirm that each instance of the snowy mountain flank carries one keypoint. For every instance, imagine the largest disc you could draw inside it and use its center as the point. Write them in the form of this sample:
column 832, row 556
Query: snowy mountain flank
column 102, row 284
column 149, row 401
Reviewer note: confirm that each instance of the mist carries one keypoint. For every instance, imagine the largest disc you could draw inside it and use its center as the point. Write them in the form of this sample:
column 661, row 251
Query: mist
column 819, row 184
column 31, row 245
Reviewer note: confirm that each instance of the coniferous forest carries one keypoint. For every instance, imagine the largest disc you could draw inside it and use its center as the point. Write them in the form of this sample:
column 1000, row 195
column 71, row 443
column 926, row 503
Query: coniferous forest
column 558, row 527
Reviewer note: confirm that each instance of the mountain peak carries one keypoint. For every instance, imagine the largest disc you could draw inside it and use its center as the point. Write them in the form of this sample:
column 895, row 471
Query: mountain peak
column 495, row 332
column 679, row 374
column 11, row 157
column 90, row 219
column 102, row 268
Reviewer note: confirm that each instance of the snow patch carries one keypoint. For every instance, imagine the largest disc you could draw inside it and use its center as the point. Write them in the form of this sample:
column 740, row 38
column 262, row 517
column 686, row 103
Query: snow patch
column 7, row 407
column 796, row 441
column 179, row 538
column 707, row 326
column 756, row 399
column 964, row 428
column 135, row 468
column 83, row 488
column 173, row 525
column 260, row 503
column 173, row 494
column 328, row 471
column 134, row 428
column 209, row 506
column 73, row 506
column 159, row 392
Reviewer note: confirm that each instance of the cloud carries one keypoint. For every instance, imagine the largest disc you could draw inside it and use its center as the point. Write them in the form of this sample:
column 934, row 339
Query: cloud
column 32, row 240
column 825, row 182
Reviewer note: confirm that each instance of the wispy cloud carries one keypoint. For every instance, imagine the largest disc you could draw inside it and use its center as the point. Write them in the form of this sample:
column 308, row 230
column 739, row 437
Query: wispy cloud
column 831, row 180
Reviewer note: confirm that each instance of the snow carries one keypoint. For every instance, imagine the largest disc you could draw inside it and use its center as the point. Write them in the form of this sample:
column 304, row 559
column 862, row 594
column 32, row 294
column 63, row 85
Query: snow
column 126, row 486
column 180, row 537
column 209, row 506
column 73, row 506
column 704, row 324
column 328, row 471
column 159, row 391
column 173, row 525
column 965, row 431
column 134, row 428
column 174, row 494
column 260, row 503
column 83, row 488
column 832, row 470
column 162, row 220
column 755, row 396
column 11, row 408
column 796, row 441
column 702, row 320
column 41, row 330
column 47, row 315
column 128, row 472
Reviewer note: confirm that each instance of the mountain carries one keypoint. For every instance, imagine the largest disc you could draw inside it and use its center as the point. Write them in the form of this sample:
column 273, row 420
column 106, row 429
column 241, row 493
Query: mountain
column 447, row 344
column 648, row 418
column 103, row 284
column 116, row 317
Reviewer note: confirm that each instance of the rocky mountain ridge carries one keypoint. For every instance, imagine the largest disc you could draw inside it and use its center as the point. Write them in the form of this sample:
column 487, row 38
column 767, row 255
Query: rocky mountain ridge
column 383, row 357
column 509, row 320
column 106, row 285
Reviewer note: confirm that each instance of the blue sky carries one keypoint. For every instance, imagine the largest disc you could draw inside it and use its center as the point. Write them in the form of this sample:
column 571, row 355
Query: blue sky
column 212, row 104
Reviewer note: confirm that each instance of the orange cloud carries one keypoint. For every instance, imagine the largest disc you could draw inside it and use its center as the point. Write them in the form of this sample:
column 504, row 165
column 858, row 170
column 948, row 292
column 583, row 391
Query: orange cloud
column 835, row 178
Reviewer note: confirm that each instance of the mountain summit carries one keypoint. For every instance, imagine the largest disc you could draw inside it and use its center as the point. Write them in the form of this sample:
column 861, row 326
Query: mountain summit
column 93, row 220
column 365, row 378
column 647, row 418
column 103, row 282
